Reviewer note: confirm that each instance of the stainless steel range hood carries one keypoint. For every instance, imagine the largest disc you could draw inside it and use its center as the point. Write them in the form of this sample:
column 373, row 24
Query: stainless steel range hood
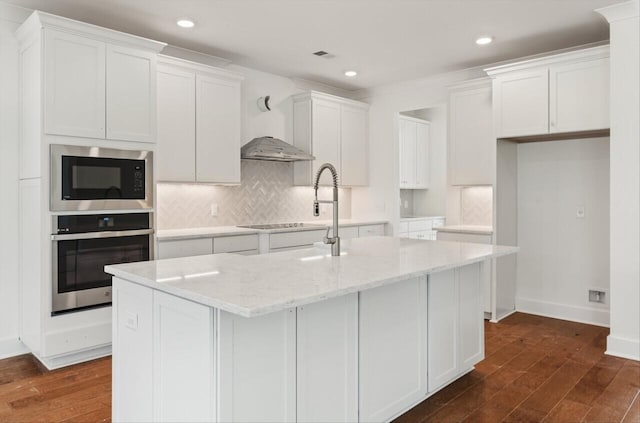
column 273, row 149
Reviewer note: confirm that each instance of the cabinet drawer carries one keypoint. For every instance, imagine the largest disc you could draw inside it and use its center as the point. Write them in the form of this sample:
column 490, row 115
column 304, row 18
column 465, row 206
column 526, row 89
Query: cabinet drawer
column 371, row 230
column 420, row 225
column 295, row 239
column 185, row 248
column 231, row 244
column 349, row 232
column 420, row 235
column 403, row 227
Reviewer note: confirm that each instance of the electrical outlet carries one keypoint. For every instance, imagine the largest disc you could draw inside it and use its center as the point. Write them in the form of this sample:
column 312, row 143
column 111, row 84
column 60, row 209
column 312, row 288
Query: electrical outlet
column 596, row 296
column 214, row 210
column 580, row 212
column 406, row 204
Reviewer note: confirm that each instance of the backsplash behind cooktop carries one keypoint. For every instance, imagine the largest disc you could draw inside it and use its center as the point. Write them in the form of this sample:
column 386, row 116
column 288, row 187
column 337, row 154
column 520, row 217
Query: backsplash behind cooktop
column 266, row 195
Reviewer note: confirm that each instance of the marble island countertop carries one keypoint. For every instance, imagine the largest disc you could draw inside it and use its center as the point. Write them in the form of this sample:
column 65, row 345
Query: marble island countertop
column 219, row 231
column 256, row 285
column 466, row 229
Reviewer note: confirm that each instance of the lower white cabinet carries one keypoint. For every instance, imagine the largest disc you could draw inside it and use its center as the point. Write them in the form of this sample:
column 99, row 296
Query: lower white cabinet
column 257, row 382
column 456, row 327
column 327, row 361
column 393, row 349
column 184, row 248
column 370, row 230
column 183, row 349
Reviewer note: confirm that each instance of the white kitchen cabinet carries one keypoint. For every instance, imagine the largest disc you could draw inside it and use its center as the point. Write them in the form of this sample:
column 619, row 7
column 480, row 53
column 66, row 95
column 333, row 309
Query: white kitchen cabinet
column 419, row 228
column 456, row 326
column 334, row 130
column 235, row 244
column 579, row 94
column 199, row 123
column 184, row 248
column 414, row 153
column 131, row 94
column 393, row 349
column 217, row 130
column 327, row 361
column 471, row 142
column 132, row 352
column 74, row 85
column 176, row 148
column 371, row 230
column 280, row 240
column 258, row 381
column 563, row 93
column 183, row 349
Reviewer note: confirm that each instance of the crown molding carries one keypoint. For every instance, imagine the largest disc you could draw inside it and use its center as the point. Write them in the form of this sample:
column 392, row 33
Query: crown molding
column 621, row 11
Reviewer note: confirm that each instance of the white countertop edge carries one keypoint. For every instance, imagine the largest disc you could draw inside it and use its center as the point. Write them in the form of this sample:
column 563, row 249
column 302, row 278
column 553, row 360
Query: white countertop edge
column 260, row 311
column 466, row 229
column 222, row 231
column 412, row 219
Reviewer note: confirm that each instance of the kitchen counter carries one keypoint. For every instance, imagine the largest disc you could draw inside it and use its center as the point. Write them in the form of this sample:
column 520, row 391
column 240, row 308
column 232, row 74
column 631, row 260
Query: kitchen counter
column 466, row 229
column 256, row 285
column 413, row 218
column 220, row 231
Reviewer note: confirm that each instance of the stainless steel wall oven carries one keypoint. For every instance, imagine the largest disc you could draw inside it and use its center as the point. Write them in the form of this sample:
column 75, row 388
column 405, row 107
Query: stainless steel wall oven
column 84, row 244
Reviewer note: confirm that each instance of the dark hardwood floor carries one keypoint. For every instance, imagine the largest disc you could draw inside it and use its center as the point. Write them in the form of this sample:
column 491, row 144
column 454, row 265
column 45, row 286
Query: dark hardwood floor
column 536, row 369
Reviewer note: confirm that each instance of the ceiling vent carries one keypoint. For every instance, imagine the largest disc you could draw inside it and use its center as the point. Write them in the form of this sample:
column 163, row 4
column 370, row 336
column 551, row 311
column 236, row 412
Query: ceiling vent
column 324, row 54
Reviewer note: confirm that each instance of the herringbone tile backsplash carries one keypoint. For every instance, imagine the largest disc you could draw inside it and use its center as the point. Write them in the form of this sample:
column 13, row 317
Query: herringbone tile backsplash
column 266, row 195
column 477, row 205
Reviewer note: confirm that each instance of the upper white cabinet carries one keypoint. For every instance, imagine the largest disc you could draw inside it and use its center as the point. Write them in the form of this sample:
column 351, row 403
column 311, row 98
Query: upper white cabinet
column 198, row 123
column 131, row 94
column 96, row 83
column 414, row 152
column 74, row 85
column 471, row 142
column 563, row 93
column 335, row 130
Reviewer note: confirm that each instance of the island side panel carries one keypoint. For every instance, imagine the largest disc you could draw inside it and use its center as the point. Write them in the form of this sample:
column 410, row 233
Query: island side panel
column 393, row 349
column 327, row 361
column 132, row 351
column 257, row 367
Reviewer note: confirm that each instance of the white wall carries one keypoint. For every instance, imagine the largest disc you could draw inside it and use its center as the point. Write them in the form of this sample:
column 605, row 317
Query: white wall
column 561, row 257
column 624, row 338
column 10, row 19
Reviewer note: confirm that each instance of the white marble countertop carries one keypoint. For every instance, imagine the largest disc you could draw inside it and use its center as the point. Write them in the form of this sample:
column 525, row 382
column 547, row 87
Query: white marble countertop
column 411, row 218
column 256, row 285
column 219, row 231
column 466, row 229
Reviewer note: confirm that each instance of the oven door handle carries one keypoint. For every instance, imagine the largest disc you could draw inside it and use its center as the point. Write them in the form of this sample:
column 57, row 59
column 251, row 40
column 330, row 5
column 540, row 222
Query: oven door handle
column 98, row 235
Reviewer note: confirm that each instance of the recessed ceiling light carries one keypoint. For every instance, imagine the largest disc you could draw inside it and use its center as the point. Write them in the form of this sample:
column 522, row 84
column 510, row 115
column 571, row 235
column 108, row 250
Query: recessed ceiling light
column 481, row 41
column 350, row 73
column 185, row 23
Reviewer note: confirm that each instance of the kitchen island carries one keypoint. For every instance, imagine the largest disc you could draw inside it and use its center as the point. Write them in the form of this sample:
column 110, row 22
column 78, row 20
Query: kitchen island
column 297, row 335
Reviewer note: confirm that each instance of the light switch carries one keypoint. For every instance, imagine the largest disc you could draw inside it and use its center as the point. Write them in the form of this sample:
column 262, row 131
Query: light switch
column 580, row 212
column 214, row 210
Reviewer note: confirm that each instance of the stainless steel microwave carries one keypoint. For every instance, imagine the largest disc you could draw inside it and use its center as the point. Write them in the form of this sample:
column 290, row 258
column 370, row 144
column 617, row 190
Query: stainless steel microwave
column 95, row 178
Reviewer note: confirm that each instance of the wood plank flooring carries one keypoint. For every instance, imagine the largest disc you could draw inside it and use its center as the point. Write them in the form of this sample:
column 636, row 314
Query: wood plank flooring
column 539, row 370
column 536, row 370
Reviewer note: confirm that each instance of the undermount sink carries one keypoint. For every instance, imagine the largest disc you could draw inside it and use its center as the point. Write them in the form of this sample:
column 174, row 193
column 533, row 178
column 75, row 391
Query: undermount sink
column 283, row 226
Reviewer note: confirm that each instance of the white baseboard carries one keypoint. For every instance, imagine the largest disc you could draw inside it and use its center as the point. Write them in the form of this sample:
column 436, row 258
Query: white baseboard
column 588, row 315
column 623, row 347
column 10, row 347
column 52, row 363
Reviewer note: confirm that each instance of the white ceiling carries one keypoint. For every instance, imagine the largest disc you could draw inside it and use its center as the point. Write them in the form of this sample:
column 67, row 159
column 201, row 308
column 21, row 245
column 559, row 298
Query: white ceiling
column 384, row 40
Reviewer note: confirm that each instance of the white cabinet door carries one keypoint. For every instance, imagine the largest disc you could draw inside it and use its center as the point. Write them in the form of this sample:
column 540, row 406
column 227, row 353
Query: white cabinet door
column 176, row 150
column 393, row 343
column 217, row 130
column 185, row 248
column 354, row 146
column 326, row 137
column 471, row 140
column 522, row 103
column 327, row 355
column 443, row 329
column 74, row 85
column 183, row 350
column 471, row 317
column 132, row 352
column 579, row 94
column 371, row 230
column 408, row 133
column 257, row 367
column 131, row 94
column 422, row 155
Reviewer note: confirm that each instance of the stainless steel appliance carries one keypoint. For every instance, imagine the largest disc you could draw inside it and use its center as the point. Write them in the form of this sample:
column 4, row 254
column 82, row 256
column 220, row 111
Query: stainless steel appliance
column 83, row 244
column 94, row 178
column 273, row 149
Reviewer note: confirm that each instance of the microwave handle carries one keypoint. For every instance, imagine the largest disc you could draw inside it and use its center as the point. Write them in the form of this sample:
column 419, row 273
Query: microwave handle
column 97, row 235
